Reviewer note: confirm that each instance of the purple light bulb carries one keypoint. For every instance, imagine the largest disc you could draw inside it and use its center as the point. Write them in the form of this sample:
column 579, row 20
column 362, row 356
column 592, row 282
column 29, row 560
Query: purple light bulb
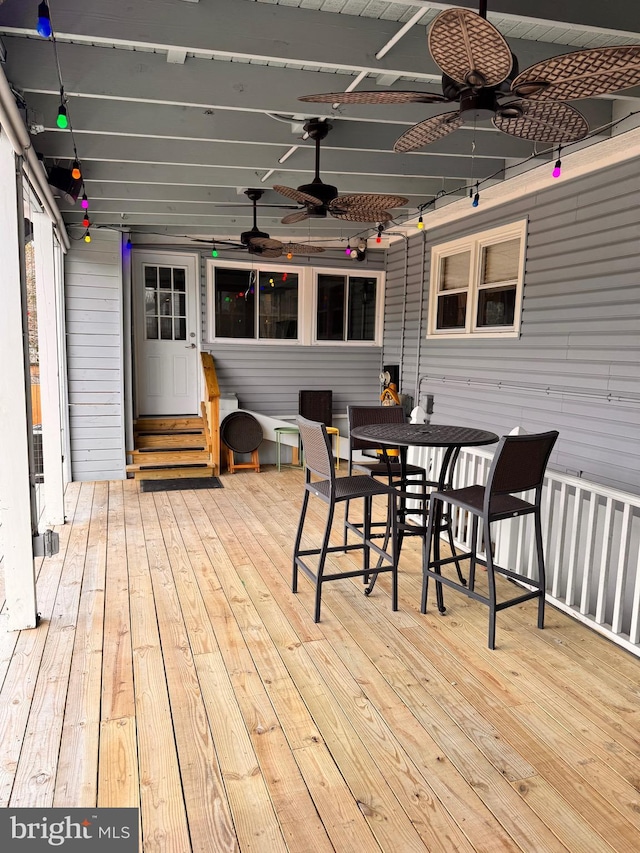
column 85, row 202
column 557, row 169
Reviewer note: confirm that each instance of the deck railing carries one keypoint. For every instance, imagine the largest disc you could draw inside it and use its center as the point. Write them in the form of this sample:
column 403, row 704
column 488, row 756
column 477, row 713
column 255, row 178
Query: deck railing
column 591, row 536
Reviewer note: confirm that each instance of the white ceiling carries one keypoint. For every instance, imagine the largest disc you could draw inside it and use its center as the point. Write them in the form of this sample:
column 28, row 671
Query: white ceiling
column 179, row 105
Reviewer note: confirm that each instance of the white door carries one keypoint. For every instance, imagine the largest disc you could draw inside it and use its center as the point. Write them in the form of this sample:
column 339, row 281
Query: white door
column 166, row 334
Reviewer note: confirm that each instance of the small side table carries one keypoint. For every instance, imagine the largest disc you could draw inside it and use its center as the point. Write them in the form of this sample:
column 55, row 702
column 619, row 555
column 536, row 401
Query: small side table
column 295, row 452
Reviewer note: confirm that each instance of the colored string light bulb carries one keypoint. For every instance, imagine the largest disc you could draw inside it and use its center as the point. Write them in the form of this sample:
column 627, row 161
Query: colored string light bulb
column 43, row 27
column 379, row 235
column 557, row 169
column 63, row 120
column 420, row 223
column 85, row 221
column 76, row 174
column 214, row 252
column 128, row 242
column 289, row 255
column 476, row 200
column 85, row 202
column 347, row 251
column 87, row 237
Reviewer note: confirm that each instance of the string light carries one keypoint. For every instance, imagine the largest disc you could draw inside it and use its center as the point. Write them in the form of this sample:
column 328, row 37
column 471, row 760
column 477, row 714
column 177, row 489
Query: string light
column 63, row 120
column 289, row 255
column 87, row 236
column 557, row 169
column 476, row 198
column 347, row 251
column 380, row 230
column 76, row 174
column 128, row 242
column 214, row 251
column 85, row 202
column 43, row 27
column 85, row 220
column 420, row 223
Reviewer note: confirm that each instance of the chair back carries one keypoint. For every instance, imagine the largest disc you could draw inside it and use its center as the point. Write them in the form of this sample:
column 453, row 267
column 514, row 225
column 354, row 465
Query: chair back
column 365, row 415
column 318, row 457
column 519, row 463
column 316, row 406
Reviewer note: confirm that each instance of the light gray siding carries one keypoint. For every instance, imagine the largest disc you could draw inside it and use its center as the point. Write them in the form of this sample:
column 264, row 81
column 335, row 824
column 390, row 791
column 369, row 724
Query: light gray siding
column 93, row 304
column 576, row 365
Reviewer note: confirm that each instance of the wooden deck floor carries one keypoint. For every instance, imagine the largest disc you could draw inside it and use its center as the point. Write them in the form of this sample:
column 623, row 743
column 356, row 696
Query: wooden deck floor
column 175, row 671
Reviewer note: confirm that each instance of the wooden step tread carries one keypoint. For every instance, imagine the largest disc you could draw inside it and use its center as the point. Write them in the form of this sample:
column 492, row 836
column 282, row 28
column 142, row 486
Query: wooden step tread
column 169, row 457
column 168, row 424
column 172, row 441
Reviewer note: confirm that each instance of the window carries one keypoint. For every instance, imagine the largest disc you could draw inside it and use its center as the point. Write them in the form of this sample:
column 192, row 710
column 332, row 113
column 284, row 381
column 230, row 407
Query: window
column 347, row 307
column 165, row 303
column 476, row 284
column 255, row 303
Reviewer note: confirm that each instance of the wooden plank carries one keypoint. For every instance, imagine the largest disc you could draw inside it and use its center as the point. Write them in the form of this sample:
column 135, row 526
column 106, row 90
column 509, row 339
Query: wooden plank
column 118, row 780
column 167, row 424
column 162, row 807
column 141, row 473
column 76, row 777
column 36, row 771
column 210, row 823
column 168, row 457
column 171, row 441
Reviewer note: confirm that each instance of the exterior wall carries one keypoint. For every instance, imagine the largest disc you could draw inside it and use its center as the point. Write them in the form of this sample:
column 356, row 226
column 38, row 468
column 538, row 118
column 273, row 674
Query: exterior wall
column 576, row 365
column 267, row 378
column 94, row 321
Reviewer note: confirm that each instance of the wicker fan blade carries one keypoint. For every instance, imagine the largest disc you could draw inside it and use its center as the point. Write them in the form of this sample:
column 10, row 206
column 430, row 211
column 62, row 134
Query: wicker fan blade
column 298, row 216
column 296, row 195
column 427, row 131
column 364, row 214
column 388, row 97
column 269, row 253
column 581, row 74
column 469, row 49
column 301, row 249
column 265, row 243
column 344, row 203
column 544, row 121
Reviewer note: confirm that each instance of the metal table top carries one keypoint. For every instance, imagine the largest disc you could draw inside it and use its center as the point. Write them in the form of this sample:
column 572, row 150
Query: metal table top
column 425, row 435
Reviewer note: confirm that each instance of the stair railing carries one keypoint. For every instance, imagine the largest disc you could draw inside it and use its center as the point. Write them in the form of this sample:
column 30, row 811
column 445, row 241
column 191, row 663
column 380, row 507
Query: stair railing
column 210, row 408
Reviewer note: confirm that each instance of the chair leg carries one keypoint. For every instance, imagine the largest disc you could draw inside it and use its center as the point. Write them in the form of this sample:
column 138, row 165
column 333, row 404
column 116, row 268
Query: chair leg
column 426, row 555
column 492, row 585
column 321, row 561
column 474, row 549
column 366, row 533
column 461, row 577
column 541, row 569
column 394, row 550
column 296, row 546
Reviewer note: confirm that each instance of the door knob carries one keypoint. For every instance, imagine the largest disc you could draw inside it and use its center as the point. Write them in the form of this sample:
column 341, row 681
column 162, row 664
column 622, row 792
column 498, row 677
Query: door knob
column 190, row 346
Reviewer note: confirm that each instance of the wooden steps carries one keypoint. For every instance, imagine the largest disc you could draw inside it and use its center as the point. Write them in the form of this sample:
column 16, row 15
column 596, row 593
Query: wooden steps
column 170, row 448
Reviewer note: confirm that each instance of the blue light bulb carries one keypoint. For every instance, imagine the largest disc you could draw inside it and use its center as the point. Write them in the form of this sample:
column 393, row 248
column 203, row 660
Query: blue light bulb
column 43, row 27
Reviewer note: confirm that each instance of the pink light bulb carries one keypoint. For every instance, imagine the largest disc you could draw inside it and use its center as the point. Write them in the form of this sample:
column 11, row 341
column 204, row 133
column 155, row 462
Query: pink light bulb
column 557, row 169
column 85, row 202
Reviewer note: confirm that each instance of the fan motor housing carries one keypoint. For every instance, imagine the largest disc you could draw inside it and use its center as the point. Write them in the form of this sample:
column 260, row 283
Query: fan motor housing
column 478, row 106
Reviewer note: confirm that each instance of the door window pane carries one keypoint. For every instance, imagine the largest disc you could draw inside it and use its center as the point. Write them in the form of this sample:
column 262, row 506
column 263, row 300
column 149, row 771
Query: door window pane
column 180, row 329
column 150, row 301
column 152, row 328
column 166, row 306
column 164, row 276
column 166, row 328
column 165, row 298
column 179, row 280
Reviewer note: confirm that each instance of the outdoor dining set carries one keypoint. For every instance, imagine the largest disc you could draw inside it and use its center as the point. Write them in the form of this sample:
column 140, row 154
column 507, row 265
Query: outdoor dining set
column 420, row 502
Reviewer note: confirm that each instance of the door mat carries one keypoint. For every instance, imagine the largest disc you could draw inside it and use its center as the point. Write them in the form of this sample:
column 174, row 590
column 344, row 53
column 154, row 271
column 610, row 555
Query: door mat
column 180, row 483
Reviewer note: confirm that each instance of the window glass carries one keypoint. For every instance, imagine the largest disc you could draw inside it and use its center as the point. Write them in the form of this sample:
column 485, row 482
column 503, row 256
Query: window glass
column 501, row 262
column 164, row 300
column 455, row 271
column 278, row 305
column 234, row 303
column 496, row 306
column 331, row 308
column 452, row 311
column 362, row 309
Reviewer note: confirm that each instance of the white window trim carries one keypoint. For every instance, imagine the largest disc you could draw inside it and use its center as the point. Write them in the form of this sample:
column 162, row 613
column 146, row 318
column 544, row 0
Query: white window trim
column 350, row 273
column 475, row 243
column 307, row 303
column 303, row 288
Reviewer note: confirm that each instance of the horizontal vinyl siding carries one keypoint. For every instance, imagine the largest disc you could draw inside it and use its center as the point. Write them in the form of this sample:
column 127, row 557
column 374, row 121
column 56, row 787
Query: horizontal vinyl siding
column 93, row 305
column 576, row 364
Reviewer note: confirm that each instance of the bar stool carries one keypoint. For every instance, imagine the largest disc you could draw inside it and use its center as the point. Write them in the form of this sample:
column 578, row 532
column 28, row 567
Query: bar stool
column 289, row 430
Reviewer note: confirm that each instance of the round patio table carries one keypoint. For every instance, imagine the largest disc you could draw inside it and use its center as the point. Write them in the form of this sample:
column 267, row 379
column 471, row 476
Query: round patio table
column 453, row 438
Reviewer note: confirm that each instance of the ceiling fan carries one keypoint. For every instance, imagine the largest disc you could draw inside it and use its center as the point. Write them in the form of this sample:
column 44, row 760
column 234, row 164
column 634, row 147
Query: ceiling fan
column 480, row 73
column 260, row 243
column 319, row 198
